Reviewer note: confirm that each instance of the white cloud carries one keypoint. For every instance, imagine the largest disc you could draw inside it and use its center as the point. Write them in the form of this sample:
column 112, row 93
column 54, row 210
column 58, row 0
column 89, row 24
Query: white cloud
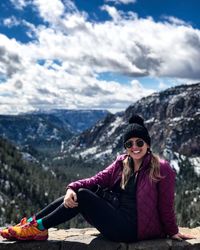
column 11, row 21
column 10, row 61
column 50, row 11
column 61, row 67
column 162, row 85
column 138, row 46
column 139, row 90
column 175, row 20
column 62, row 90
column 121, row 1
column 70, row 6
column 20, row 4
column 112, row 11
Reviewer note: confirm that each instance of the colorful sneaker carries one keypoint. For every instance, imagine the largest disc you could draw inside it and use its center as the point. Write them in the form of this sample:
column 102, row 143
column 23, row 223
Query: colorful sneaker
column 5, row 233
column 29, row 231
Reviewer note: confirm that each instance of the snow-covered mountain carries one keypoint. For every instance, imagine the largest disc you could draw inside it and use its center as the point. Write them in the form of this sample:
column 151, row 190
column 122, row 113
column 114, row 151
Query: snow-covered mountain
column 172, row 117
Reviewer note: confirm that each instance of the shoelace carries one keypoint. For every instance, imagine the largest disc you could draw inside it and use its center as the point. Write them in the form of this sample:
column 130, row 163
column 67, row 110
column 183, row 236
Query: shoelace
column 28, row 224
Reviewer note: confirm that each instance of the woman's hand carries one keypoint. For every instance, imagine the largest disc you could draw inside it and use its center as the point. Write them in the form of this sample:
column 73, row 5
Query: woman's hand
column 70, row 199
column 181, row 237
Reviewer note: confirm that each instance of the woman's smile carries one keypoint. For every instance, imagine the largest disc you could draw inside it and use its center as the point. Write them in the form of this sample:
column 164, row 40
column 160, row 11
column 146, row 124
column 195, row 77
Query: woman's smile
column 136, row 151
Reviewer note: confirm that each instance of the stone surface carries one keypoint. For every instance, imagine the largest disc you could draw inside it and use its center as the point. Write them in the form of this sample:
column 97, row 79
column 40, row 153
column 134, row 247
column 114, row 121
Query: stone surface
column 90, row 239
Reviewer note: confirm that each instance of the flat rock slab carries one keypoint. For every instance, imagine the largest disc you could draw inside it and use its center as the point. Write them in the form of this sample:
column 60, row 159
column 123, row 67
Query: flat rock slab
column 90, row 239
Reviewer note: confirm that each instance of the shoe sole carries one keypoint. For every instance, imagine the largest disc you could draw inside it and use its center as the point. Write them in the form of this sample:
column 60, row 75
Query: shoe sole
column 7, row 236
column 35, row 237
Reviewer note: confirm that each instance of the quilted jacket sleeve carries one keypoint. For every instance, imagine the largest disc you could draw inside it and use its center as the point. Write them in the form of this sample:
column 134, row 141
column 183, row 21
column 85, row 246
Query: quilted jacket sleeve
column 103, row 178
column 166, row 188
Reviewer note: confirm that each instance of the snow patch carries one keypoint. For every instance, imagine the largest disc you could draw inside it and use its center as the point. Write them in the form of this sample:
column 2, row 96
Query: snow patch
column 89, row 151
column 1, row 200
column 175, row 165
column 176, row 98
column 114, row 126
column 62, row 146
column 152, row 120
column 103, row 154
column 41, row 129
column 28, row 157
column 195, row 161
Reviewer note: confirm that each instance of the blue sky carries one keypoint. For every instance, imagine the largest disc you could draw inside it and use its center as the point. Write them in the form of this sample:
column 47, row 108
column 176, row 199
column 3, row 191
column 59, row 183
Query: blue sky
column 103, row 54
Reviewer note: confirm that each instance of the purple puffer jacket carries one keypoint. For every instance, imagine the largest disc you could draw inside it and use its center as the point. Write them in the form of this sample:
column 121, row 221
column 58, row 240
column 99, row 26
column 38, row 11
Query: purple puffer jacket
column 155, row 201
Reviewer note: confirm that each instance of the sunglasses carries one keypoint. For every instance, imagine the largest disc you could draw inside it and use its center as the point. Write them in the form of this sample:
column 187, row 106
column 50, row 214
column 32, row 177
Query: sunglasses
column 129, row 144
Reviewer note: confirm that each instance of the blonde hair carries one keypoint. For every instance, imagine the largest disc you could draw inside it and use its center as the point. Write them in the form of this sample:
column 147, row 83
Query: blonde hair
column 154, row 170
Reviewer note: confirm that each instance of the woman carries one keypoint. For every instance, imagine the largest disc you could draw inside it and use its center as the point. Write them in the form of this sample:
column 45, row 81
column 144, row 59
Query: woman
column 145, row 193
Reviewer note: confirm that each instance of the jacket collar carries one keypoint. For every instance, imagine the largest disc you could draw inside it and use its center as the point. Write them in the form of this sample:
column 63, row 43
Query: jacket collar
column 146, row 162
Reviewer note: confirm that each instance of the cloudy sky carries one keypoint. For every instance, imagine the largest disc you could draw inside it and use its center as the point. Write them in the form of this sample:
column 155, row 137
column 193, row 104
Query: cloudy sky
column 94, row 54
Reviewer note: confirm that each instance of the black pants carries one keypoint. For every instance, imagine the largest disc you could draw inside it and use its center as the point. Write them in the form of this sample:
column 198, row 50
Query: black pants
column 101, row 214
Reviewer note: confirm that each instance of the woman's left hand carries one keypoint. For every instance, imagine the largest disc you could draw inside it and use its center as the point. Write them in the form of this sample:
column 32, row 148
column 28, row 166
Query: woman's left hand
column 180, row 237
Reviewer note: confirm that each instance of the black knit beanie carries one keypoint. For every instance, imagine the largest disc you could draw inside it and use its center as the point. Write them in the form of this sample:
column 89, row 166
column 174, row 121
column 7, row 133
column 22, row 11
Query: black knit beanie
column 136, row 128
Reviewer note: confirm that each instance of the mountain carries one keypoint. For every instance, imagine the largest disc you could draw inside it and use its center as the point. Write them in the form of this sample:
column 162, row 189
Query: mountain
column 46, row 131
column 172, row 118
column 76, row 120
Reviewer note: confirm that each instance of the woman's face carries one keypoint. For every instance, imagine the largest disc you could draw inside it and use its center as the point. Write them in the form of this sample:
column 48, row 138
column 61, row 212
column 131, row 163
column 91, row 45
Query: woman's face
column 136, row 148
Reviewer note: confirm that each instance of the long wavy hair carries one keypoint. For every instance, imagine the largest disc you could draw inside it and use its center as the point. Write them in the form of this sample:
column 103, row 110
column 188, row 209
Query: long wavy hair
column 128, row 169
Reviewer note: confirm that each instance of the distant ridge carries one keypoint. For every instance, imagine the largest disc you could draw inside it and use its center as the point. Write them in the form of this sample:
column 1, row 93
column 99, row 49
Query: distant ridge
column 46, row 131
column 172, row 117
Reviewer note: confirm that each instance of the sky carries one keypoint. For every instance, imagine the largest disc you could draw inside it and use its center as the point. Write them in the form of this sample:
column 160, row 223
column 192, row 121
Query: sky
column 94, row 54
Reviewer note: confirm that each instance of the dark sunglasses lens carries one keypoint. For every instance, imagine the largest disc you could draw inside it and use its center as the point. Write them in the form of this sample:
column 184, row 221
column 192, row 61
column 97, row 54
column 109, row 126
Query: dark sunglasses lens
column 140, row 143
column 128, row 144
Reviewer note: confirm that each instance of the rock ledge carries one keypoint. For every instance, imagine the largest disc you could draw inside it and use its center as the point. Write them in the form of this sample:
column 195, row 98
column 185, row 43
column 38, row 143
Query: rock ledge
column 89, row 239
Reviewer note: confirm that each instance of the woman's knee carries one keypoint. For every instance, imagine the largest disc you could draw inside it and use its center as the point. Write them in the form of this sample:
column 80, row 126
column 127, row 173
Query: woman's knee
column 83, row 194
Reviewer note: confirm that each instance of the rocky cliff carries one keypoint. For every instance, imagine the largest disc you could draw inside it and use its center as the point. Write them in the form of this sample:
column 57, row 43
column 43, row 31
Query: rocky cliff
column 172, row 117
column 89, row 239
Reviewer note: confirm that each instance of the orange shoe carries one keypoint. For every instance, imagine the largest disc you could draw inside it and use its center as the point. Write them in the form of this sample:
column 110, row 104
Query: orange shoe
column 5, row 233
column 29, row 231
